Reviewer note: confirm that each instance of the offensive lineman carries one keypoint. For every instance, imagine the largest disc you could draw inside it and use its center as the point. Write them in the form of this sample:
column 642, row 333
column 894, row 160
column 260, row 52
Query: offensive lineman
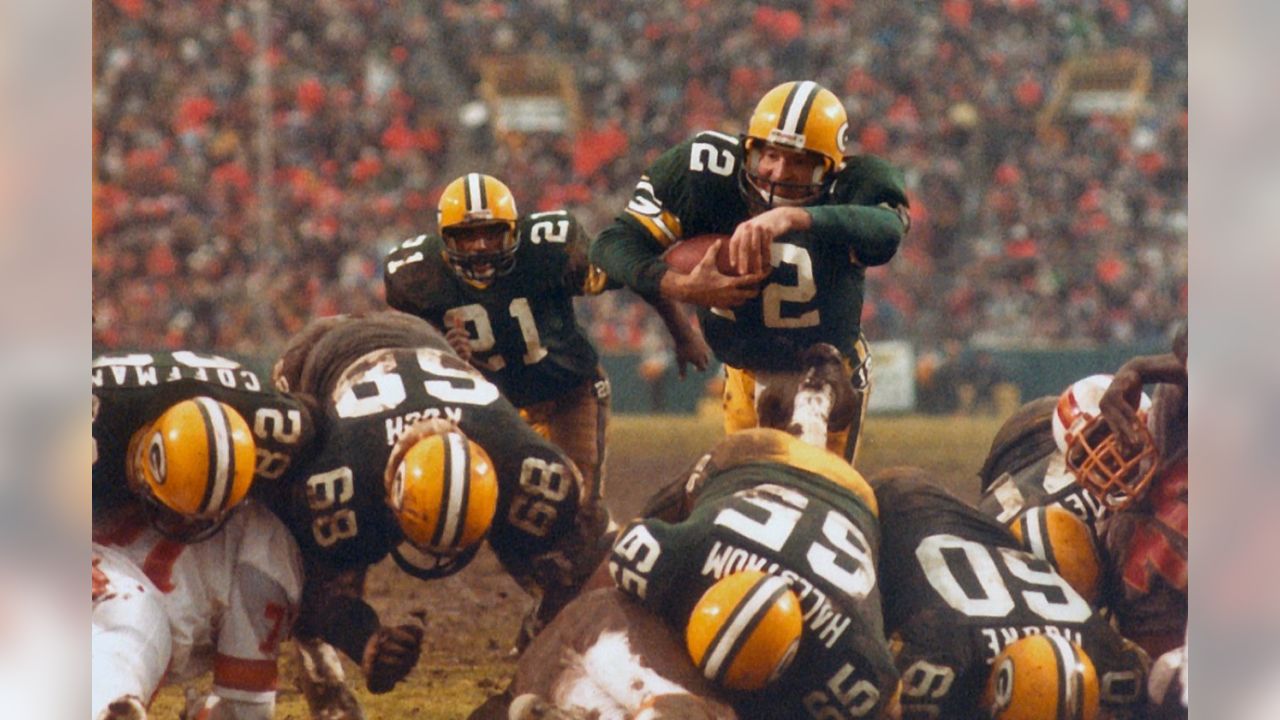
column 960, row 593
column 420, row 458
column 805, row 223
column 765, row 500
column 500, row 286
column 186, row 576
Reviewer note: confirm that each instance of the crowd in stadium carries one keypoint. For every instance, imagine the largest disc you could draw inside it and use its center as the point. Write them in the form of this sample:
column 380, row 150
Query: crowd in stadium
column 1012, row 239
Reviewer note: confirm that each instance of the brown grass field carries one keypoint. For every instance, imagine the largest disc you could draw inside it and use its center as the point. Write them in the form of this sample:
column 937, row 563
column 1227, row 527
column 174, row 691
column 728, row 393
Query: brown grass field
column 472, row 617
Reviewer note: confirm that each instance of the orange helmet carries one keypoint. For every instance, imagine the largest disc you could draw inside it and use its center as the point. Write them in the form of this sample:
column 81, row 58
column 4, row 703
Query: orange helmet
column 1042, row 677
column 797, row 116
column 1116, row 475
column 444, row 494
column 191, row 466
column 745, row 630
column 478, row 204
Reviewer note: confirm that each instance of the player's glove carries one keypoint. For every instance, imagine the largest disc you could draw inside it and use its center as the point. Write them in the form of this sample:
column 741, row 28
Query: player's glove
column 389, row 656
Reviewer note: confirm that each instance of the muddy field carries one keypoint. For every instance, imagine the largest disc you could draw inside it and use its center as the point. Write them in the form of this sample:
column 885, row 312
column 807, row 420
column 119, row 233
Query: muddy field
column 472, row 617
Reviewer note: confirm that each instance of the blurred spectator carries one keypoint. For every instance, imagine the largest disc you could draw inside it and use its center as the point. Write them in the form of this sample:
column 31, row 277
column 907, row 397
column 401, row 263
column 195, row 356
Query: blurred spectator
column 202, row 240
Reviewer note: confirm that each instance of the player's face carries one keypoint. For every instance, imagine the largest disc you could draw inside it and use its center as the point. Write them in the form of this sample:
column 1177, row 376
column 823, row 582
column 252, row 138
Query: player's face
column 791, row 170
column 479, row 240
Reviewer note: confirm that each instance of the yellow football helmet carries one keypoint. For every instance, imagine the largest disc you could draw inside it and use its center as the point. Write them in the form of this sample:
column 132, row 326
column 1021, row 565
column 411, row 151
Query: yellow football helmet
column 1116, row 475
column 1060, row 538
column 444, row 493
column 1042, row 677
column 191, row 466
column 477, row 219
column 745, row 630
column 796, row 116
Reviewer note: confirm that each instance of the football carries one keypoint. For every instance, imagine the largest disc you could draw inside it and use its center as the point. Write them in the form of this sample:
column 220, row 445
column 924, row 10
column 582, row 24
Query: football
column 685, row 255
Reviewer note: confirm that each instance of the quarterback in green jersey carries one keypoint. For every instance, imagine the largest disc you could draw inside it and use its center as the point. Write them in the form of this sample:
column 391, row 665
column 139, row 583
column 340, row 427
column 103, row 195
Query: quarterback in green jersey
column 804, row 223
column 501, row 288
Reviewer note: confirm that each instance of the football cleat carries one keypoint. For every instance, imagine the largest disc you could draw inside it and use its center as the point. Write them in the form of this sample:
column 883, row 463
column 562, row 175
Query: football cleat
column 745, row 630
column 1115, row 474
column 1042, row 677
column 1060, row 538
column 444, row 493
column 192, row 466
column 795, row 116
column 477, row 219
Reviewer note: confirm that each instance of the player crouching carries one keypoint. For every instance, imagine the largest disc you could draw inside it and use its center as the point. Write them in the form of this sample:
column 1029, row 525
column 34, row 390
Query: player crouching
column 190, row 578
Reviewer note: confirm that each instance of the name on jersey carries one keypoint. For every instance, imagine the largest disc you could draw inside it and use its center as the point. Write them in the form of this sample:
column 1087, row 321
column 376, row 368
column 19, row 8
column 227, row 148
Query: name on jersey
column 398, row 426
column 997, row 639
column 820, row 615
column 144, row 375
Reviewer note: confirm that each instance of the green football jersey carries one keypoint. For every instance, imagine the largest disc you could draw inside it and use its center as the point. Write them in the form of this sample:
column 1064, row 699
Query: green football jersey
column 815, row 292
column 773, row 504
column 959, row 589
column 525, row 337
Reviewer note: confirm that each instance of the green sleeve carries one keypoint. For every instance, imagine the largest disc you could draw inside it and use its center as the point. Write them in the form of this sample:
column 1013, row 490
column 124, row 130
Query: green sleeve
column 630, row 250
column 649, row 562
column 869, row 212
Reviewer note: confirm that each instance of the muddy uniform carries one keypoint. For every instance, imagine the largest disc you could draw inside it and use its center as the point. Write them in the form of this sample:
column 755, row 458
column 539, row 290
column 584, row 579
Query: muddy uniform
column 525, row 337
column 958, row 591
column 816, row 290
column 770, row 502
column 131, row 389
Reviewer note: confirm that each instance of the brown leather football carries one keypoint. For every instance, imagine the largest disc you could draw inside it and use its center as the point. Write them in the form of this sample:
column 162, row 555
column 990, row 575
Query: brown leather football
column 685, row 255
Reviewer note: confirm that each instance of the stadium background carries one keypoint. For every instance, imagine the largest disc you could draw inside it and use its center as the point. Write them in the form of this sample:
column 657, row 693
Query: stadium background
column 254, row 161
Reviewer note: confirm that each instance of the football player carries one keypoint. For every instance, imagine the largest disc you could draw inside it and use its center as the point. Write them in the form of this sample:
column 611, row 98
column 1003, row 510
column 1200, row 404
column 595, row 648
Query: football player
column 422, row 459
column 501, row 288
column 805, row 222
column 187, row 578
column 800, row 517
column 131, row 389
column 961, row 601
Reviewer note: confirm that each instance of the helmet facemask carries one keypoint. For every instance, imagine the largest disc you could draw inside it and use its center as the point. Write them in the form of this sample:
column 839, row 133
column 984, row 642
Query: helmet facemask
column 1115, row 474
column 762, row 194
column 481, row 252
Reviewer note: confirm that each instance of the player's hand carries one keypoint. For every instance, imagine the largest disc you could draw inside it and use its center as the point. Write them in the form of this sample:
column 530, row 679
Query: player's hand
column 751, row 242
column 100, row 581
column 1119, row 407
column 459, row 339
column 389, row 656
column 692, row 349
column 709, row 287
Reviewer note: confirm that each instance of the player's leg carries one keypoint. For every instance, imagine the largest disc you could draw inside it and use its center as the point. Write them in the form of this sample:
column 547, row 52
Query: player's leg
column 130, row 643
column 739, row 403
column 846, row 443
column 578, row 423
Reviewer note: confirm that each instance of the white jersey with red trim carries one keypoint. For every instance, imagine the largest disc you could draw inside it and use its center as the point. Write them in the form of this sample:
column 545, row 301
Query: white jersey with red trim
column 130, row 641
column 230, row 599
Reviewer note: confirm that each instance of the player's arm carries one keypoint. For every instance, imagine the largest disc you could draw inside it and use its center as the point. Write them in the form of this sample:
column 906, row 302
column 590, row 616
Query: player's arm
column 630, row 250
column 1119, row 404
column 262, row 606
column 870, row 214
column 649, row 563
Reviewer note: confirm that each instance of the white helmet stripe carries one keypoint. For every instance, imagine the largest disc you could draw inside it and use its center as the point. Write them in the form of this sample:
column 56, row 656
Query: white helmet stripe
column 738, row 628
column 475, row 192
column 1035, row 532
column 1070, row 679
column 456, row 488
column 218, row 428
column 798, row 104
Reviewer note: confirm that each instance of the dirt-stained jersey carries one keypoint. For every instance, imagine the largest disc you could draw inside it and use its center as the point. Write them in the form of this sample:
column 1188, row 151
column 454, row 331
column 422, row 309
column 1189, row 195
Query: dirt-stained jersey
column 524, row 335
column 770, row 502
column 230, row 599
column 335, row 504
column 130, row 389
column 958, row 590
column 816, row 289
